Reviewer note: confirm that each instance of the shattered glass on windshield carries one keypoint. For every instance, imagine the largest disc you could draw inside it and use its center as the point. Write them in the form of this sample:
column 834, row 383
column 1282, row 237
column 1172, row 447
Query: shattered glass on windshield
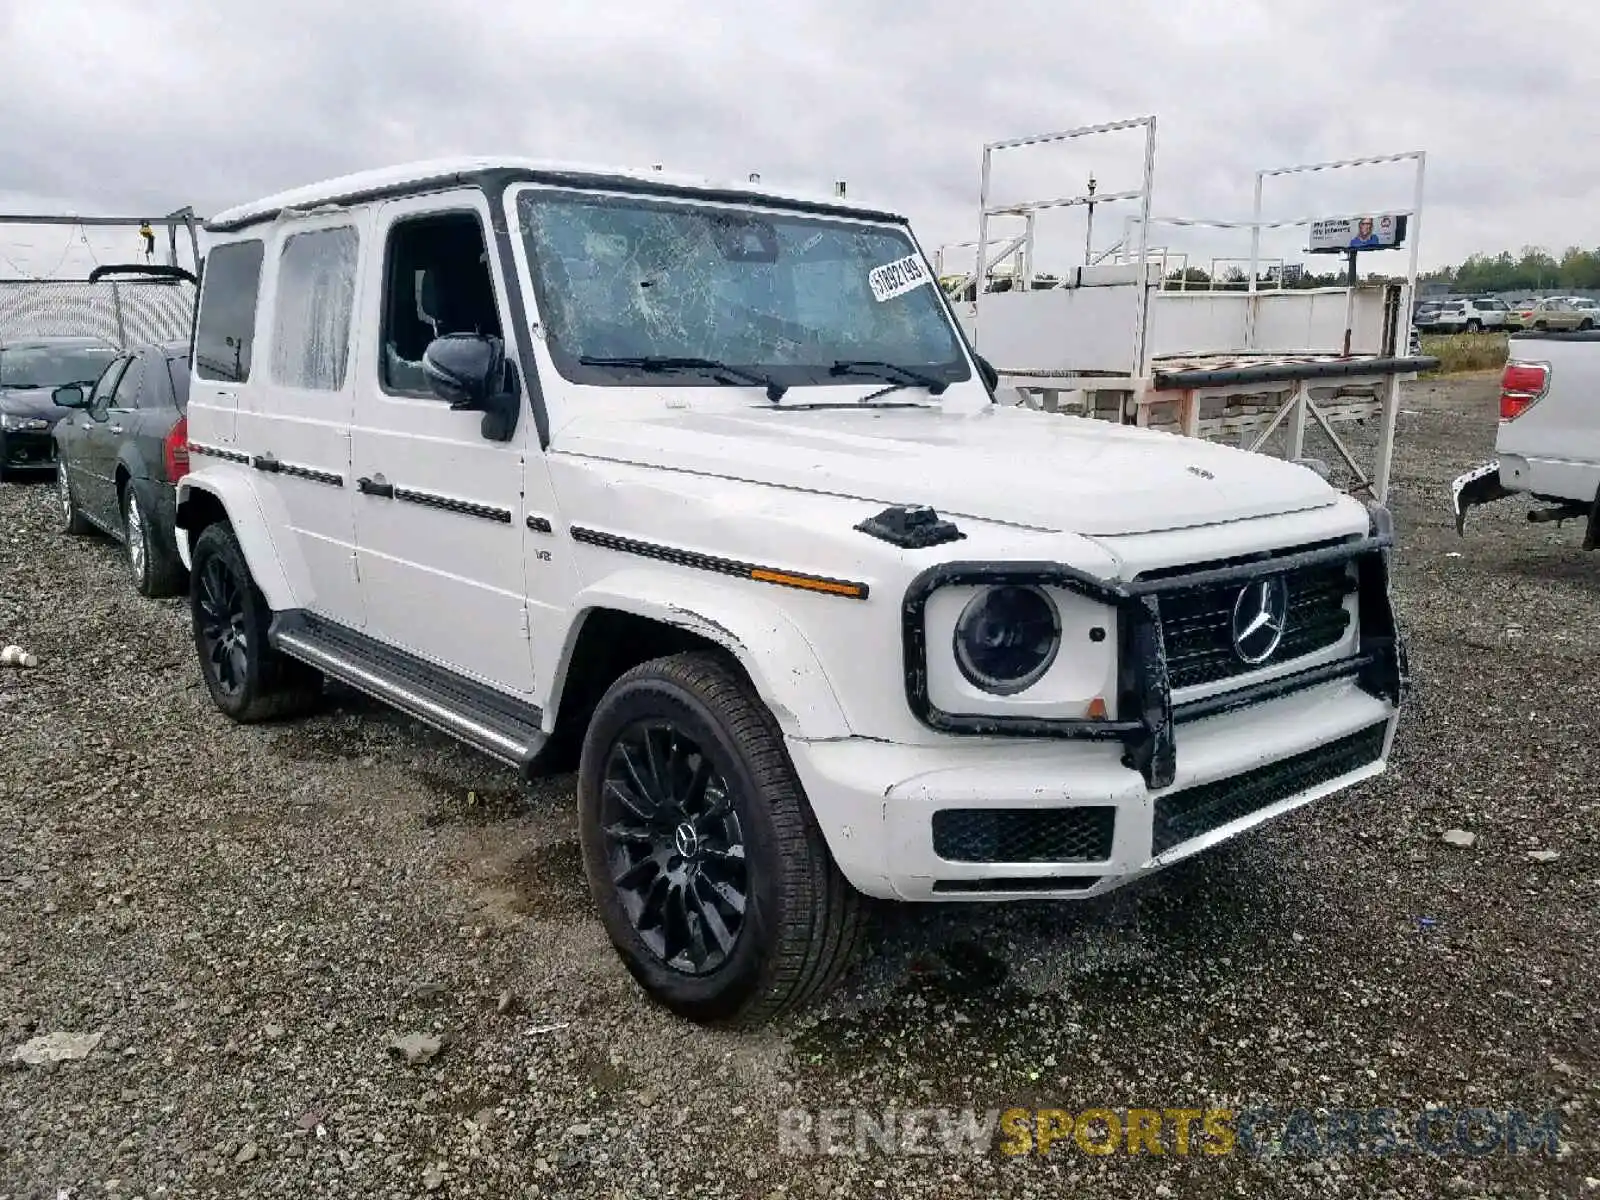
column 780, row 296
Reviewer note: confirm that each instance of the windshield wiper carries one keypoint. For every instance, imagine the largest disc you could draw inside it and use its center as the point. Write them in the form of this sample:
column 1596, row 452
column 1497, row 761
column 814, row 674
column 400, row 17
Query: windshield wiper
column 898, row 376
column 669, row 362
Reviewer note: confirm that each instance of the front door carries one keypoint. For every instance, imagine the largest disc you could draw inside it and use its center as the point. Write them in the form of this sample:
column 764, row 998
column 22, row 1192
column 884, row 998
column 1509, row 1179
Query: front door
column 112, row 404
column 439, row 508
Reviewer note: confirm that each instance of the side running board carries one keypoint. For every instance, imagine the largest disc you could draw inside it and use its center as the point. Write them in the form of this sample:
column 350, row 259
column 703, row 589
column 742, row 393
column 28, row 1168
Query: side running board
column 490, row 721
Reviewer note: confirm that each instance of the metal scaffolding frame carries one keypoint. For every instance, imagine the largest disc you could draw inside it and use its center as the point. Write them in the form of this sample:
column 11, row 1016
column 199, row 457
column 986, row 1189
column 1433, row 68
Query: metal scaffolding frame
column 1391, row 402
column 183, row 218
column 1026, row 209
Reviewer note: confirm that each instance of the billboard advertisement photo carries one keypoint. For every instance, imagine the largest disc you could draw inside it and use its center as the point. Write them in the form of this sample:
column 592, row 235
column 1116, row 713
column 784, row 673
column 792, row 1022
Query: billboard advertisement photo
column 1381, row 231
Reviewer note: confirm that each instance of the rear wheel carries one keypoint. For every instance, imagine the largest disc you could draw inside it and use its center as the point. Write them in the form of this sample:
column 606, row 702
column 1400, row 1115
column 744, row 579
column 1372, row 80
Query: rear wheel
column 1586, row 324
column 152, row 560
column 248, row 679
column 68, row 519
column 713, row 880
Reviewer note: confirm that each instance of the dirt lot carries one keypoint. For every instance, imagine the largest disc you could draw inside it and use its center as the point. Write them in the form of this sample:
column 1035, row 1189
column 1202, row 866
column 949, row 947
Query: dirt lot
column 249, row 916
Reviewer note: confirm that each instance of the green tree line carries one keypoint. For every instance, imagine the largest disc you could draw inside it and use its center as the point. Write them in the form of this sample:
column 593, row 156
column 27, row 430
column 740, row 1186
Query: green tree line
column 1532, row 269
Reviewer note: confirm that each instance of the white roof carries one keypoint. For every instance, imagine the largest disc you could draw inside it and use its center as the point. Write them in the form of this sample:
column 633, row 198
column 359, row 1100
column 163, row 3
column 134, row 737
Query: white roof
column 331, row 191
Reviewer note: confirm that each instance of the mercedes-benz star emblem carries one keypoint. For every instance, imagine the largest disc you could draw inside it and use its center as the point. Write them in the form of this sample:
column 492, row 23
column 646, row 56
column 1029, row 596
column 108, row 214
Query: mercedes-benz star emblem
column 686, row 839
column 1259, row 616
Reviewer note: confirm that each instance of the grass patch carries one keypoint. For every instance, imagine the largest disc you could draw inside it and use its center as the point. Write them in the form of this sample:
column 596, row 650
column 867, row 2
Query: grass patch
column 1466, row 351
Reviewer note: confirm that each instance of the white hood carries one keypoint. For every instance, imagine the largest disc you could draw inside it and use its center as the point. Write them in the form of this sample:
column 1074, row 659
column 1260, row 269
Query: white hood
column 1035, row 469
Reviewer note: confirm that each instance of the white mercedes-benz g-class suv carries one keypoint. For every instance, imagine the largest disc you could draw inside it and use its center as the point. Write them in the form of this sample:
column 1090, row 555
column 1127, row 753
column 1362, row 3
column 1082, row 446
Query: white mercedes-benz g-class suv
column 703, row 488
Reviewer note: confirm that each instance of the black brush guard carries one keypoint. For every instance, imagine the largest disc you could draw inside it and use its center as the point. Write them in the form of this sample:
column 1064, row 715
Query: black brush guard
column 1146, row 715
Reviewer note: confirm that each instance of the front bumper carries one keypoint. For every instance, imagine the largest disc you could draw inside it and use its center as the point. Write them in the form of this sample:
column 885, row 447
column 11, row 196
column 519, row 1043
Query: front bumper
column 1014, row 807
column 1071, row 820
column 1481, row 485
column 27, row 450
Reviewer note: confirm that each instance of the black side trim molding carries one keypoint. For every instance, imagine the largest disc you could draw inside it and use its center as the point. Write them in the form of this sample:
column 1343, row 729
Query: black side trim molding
column 540, row 524
column 780, row 576
column 266, row 462
column 236, row 456
column 467, row 508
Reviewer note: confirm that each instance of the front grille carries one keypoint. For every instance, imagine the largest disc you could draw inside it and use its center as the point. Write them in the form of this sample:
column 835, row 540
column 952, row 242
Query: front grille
column 29, row 449
column 1197, row 626
column 1021, row 835
column 1198, row 810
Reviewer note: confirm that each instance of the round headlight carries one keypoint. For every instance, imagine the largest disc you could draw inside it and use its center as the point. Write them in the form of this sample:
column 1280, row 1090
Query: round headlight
column 1006, row 638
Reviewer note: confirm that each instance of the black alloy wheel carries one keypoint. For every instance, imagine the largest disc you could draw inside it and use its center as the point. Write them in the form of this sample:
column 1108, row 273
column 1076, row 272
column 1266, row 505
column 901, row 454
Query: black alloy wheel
column 675, row 845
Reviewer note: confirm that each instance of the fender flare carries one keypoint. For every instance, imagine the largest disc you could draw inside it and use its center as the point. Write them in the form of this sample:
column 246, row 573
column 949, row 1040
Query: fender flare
column 253, row 512
column 776, row 654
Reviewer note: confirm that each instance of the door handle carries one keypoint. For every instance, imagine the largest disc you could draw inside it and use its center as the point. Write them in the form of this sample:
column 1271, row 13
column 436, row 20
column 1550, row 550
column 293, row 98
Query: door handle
column 375, row 487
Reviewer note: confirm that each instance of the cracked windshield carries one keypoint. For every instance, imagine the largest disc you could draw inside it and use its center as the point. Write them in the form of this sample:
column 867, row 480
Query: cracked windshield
column 691, row 293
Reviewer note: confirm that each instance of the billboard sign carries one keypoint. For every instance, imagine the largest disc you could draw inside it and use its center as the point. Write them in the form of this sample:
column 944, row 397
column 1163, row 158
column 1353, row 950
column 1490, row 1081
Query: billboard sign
column 1381, row 231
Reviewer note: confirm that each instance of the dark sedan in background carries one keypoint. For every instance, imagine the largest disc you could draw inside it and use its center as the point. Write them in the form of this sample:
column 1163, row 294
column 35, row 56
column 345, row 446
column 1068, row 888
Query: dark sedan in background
column 31, row 369
column 119, row 455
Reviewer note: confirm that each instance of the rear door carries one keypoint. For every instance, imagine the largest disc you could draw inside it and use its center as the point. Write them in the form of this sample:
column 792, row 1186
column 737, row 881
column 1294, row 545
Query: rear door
column 294, row 416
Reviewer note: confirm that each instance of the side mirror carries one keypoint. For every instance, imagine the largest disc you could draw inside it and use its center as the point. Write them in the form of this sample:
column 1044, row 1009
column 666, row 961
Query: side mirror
column 464, row 369
column 68, row 396
column 470, row 372
column 991, row 377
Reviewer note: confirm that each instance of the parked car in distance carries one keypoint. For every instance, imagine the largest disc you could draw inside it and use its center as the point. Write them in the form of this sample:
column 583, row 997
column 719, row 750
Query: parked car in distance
column 1426, row 315
column 1557, row 314
column 30, row 371
column 1471, row 316
column 703, row 486
column 119, row 455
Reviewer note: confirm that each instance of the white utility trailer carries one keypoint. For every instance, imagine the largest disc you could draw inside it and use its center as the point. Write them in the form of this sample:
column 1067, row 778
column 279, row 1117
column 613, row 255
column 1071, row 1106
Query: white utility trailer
column 1108, row 340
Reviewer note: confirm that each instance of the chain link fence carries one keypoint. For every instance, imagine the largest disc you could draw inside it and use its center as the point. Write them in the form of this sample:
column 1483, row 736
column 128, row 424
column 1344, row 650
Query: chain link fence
column 123, row 312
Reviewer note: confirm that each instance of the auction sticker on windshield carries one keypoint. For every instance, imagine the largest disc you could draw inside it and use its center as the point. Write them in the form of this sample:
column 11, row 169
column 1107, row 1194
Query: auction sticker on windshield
column 896, row 278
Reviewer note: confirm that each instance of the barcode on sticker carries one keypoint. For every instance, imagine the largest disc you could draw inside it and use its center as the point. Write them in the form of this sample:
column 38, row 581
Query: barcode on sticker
column 897, row 278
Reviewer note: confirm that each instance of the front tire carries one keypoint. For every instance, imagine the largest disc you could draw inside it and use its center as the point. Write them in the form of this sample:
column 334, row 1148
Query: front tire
column 1474, row 326
column 68, row 519
column 152, row 561
column 713, row 880
column 248, row 679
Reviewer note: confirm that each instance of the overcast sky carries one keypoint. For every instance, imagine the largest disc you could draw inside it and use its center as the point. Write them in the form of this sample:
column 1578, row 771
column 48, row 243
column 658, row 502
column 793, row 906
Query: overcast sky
column 109, row 109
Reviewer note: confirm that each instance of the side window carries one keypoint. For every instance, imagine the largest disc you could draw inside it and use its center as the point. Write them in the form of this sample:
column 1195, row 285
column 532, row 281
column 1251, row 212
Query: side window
column 226, row 328
column 178, row 374
column 436, row 281
column 100, row 397
column 126, row 395
column 311, row 314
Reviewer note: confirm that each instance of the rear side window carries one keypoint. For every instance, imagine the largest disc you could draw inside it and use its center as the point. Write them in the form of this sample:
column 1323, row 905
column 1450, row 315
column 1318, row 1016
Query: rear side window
column 311, row 315
column 178, row 372
column 225, row 332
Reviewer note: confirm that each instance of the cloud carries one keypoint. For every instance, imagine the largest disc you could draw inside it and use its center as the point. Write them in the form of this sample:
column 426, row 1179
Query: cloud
column 108, row 107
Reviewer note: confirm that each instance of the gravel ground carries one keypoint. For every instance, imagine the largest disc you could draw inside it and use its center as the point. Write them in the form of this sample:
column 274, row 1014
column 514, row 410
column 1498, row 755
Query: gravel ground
column 251, row 916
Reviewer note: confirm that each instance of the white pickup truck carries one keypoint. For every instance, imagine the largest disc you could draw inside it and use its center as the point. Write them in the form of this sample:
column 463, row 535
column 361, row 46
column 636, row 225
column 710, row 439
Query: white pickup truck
column 1548, row 444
